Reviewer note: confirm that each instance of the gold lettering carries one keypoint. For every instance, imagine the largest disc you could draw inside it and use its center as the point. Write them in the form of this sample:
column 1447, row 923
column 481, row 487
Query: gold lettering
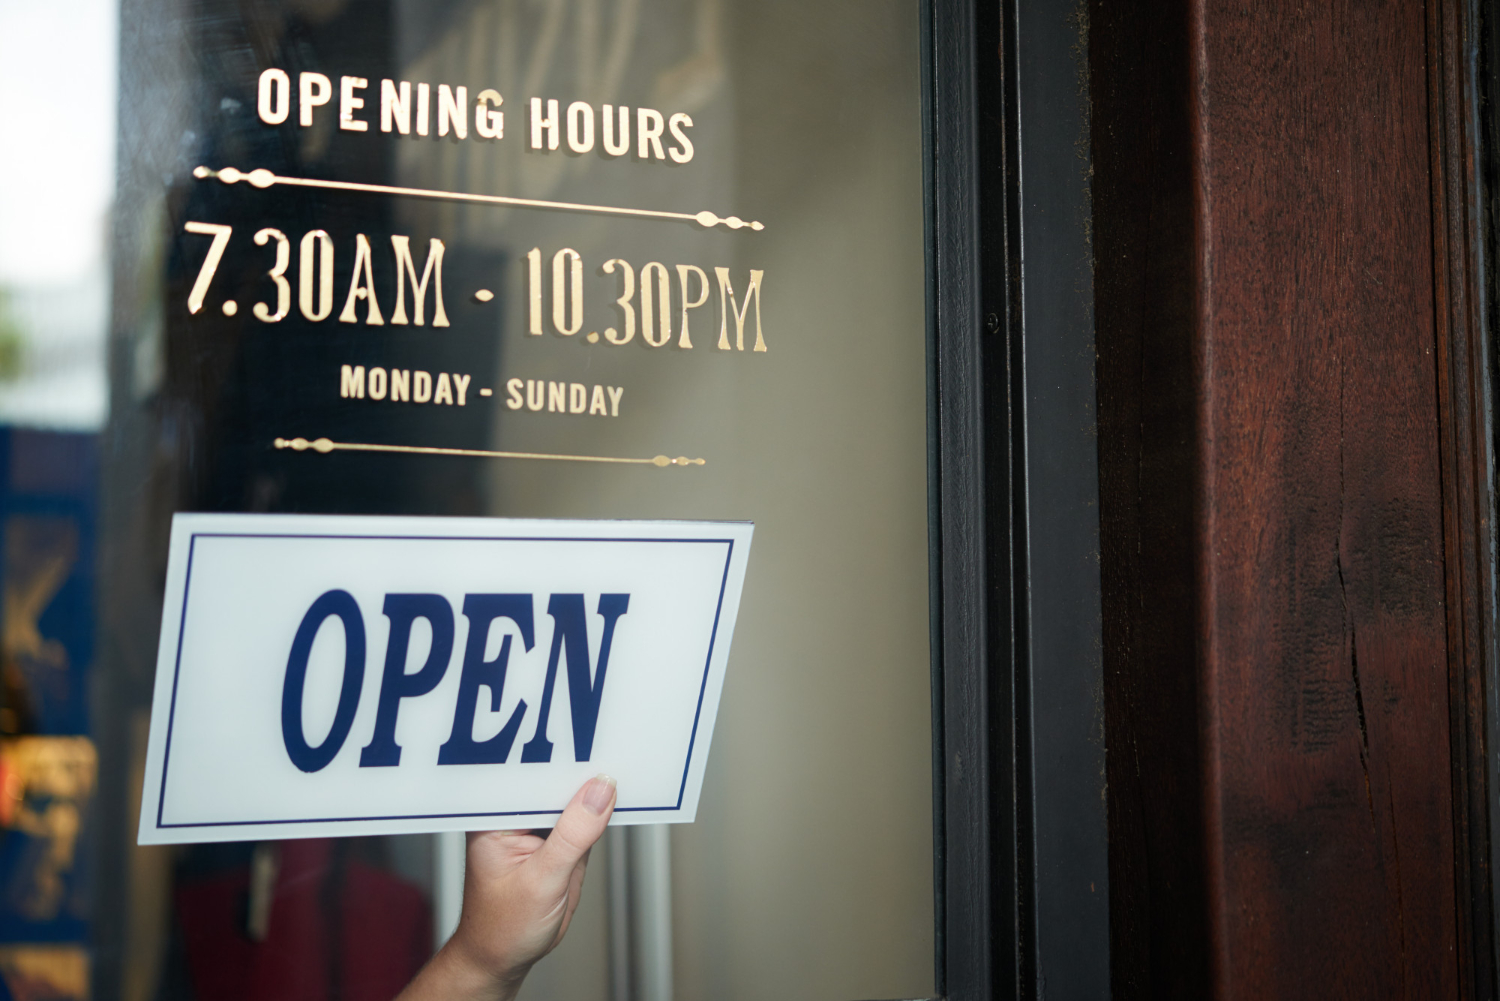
column 395, row 106
column 580, row 127
column 352, row 382
column 349, row 104
column 400, row 384
column 377, row 383
column 627, row 293
column 274, row 96
column 727, row 304
column 567, row 292
column 278, row 275
column 648, row 129
column 676, row 124
column 596, row 404
column 534, row 290
column 557, row 401
column 461, row 383
column 683, row 270
column 489, row 123
column 578, row 397
column 443, row 393
column 324, row 280
column 615, row 392
column 316, row 90
column 612, row 147
column 220, row 233
column 513, row 394
column 539, row 122
column 421, row 386
column 536, row 394
column 362, row 286
column 406, row 268
column 649, row 317
column 452, row 110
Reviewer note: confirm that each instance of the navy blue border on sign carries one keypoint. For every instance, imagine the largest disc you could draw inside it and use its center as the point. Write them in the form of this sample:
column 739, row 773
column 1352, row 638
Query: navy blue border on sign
column 182, row 628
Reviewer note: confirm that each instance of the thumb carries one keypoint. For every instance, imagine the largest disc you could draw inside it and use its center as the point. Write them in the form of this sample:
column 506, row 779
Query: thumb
column 581, row 824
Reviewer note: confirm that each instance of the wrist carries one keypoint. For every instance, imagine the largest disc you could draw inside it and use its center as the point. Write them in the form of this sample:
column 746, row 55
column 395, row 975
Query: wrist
column 481, row 976
column 456, row 973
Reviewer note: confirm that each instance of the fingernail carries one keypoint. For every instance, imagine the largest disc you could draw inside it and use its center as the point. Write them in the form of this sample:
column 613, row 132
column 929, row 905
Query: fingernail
column 598, row 794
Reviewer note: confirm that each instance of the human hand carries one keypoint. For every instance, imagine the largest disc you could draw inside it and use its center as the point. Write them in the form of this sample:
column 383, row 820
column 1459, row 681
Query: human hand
column 520, row 892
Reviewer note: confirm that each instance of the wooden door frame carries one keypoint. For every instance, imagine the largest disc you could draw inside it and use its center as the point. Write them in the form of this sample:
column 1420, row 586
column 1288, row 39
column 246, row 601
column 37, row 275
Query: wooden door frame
column 1220, row 132
column 1463, row 44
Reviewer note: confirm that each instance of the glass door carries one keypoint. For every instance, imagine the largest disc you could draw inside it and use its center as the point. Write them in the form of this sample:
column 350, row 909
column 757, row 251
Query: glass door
column 637, row 259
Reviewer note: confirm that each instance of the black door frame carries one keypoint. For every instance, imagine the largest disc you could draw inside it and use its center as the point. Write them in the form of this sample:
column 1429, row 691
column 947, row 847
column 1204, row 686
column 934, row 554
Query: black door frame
column 1022, row 860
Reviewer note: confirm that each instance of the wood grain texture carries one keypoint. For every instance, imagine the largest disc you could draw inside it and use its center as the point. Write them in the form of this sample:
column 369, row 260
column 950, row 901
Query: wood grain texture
column 1324, row 641
column 1292, row 508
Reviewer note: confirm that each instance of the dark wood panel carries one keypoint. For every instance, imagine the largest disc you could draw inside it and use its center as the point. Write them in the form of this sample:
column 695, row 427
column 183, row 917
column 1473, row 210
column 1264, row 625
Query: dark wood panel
column 1290, row 500
column 1325, row 641
column 1144, row 238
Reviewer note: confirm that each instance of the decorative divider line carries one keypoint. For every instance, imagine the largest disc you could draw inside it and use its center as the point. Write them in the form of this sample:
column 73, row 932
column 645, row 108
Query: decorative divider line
column 263, row 178
column 324, row 446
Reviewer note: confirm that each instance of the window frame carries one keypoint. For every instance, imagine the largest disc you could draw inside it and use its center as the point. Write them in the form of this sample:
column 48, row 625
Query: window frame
column 1021, row 860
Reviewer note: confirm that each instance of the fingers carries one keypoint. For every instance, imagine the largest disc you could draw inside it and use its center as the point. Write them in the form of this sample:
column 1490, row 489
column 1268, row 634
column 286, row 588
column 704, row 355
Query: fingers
column 580, row 825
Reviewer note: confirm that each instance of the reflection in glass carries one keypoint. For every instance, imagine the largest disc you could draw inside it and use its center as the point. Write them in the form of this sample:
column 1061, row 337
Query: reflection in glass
column 57, row 91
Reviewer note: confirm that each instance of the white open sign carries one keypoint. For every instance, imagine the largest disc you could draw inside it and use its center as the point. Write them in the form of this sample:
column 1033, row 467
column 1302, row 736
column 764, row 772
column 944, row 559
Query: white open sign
column 339, row 675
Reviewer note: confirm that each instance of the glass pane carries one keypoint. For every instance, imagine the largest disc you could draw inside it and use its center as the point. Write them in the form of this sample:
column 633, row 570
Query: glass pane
column 718, row 257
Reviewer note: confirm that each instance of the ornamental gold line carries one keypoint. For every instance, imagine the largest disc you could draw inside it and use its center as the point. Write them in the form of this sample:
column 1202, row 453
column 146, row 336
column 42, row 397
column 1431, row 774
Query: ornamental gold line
column 324, row 446
column 263, row 178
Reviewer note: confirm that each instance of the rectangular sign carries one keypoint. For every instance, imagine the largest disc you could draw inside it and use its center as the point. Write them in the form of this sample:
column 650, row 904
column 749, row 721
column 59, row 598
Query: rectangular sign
column 342, row 675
